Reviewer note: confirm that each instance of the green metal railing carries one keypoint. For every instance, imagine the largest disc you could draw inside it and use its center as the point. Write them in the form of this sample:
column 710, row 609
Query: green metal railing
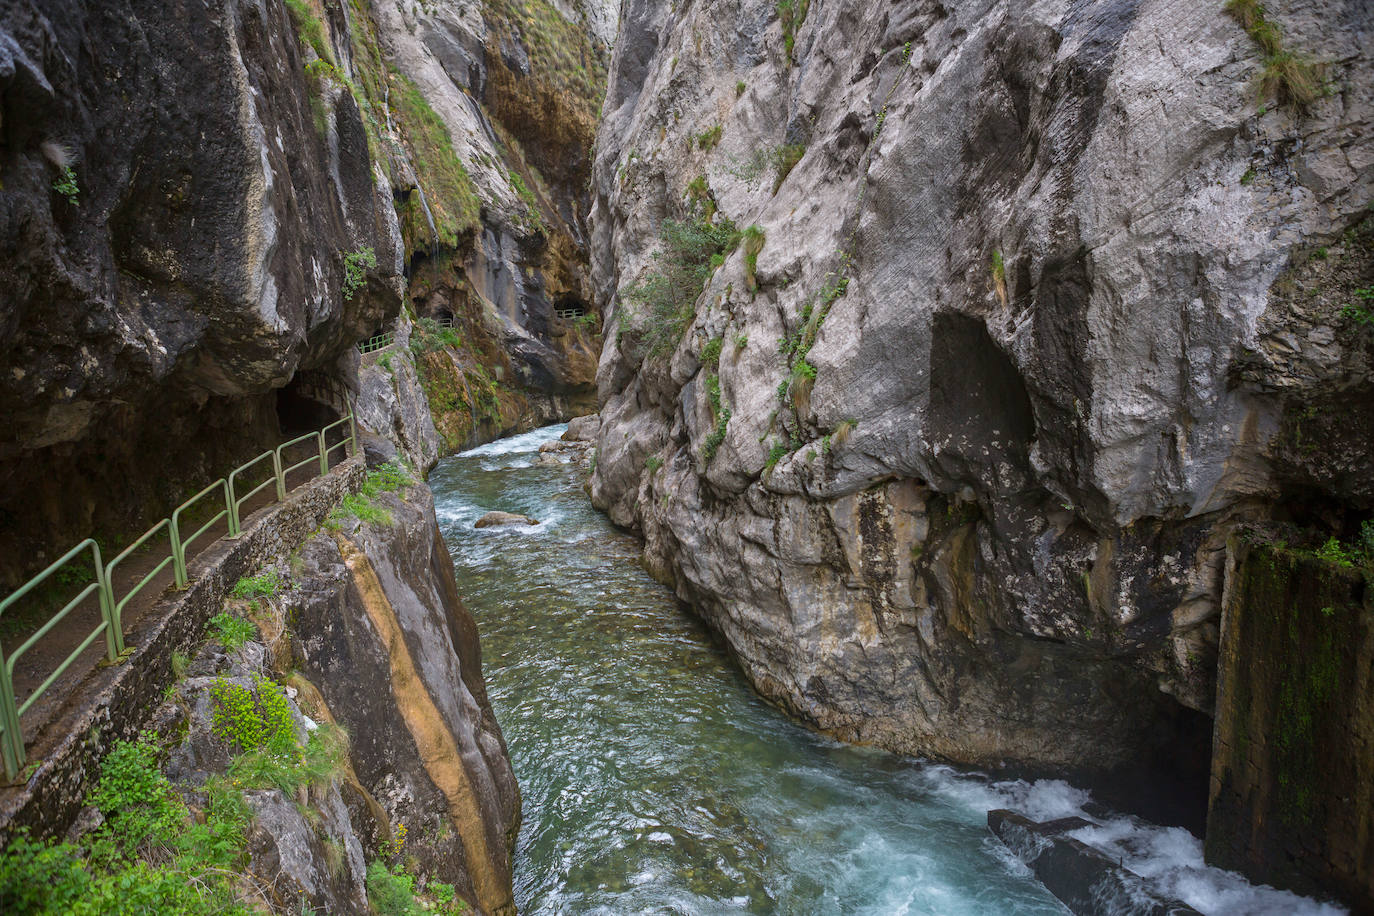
column 98, row 578
column 380, row 342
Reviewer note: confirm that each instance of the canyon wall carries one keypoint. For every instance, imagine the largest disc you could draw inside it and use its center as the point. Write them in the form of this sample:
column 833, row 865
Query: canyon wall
column 1011, row 313
column 205, row 206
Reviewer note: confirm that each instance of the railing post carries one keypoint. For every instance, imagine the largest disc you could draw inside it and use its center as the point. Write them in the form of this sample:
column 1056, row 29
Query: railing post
column 12, row 741
column 324, row 455
column 281, row 478
column 352, row 434
column 232, row 505
column 114, row 633
column 178, row 554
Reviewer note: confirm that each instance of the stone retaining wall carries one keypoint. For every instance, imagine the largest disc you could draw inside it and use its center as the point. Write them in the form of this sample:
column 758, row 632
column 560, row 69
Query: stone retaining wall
column 114, row 703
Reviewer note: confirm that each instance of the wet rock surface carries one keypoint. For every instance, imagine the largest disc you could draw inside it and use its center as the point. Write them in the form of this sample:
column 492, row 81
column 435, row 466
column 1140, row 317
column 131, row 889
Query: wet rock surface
column 1085, row 880
column 951, row 466
column 492, row 519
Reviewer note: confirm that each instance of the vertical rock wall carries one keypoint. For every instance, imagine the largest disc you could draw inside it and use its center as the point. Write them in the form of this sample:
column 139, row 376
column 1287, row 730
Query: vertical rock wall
column 382, row 635
column 949, row 446
column 1292, row 792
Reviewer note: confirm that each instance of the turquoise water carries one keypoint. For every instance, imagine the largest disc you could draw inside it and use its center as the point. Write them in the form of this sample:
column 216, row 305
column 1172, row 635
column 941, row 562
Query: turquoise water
column 656, row 781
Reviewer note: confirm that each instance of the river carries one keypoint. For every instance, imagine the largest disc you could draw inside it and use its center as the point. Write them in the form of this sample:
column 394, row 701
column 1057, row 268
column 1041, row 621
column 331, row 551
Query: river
column 656, row 781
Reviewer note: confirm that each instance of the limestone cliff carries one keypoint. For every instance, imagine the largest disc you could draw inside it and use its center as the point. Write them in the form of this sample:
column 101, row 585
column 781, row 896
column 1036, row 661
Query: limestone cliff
column 1030, row 304
column 203, row 207
column 366, row 640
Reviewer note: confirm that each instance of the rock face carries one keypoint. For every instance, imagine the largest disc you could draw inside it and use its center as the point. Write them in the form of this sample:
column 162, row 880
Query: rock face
column 205, row 206
column 949, row 446
column 192, row 265
column 384, row 641
column 1293, row 764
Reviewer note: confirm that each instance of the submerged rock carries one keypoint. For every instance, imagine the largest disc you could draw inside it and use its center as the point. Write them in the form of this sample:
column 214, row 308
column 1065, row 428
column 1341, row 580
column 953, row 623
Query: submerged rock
column 492, row 519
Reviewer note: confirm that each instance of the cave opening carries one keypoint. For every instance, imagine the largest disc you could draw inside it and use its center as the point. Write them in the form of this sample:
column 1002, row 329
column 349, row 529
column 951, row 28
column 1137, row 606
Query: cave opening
column 309, row 402
column 570, row 307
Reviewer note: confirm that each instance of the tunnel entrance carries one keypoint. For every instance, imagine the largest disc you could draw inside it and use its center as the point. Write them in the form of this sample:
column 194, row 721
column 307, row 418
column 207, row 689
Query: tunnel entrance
column 309, row 402
column 569, row 308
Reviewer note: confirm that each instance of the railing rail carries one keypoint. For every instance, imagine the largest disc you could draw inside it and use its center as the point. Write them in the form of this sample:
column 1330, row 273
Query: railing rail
column 101, row 575
column 380, row 342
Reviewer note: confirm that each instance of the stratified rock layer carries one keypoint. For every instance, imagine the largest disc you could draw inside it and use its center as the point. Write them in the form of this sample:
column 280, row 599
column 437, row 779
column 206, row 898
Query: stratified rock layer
column 951, row 465
column 383, row 636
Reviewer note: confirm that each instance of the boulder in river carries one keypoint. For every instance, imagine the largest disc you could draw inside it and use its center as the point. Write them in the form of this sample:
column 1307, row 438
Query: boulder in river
column 1084, row 879
column 492, row 519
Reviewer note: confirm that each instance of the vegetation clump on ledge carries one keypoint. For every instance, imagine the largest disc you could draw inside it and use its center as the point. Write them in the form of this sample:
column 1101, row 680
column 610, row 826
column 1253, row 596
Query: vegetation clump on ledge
column 1289, row 77
column 684, row 264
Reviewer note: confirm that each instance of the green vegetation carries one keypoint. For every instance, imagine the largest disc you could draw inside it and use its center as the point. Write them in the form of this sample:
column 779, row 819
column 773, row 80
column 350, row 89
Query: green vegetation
column 999, row 277
column 741, row 341
column 1358, row 553
column 1287, row 77
column 754, row 241
column 668, row 293
column 356, row 265
column 563, row 62
column 776, row 452
column 653, row 463
column 784, row 158
column 739, row 88
column 429, row 337
column 263, row 585
column 722, row 416
column 793, row 14
column 452, row 196
column 710, row 354
column 149, row 856
column 232, row 632
column 391, row 893
column 1362, row 310
column 803, row 380
column 709, row 139
column 535, row 215
column 1249, row 177
column 389, row 478
column 65, row 184
column 310, row 29
column 251, row 720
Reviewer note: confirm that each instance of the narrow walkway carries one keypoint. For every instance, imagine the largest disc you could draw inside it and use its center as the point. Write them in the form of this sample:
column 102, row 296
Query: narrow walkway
column 35, row 665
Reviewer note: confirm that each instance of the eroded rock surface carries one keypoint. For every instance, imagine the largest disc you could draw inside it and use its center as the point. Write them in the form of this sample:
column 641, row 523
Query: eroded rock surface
column 951, row 466
column 383, row 637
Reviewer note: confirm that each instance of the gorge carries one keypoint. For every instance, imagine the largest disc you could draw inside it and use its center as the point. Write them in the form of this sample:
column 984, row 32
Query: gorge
column 985, row 390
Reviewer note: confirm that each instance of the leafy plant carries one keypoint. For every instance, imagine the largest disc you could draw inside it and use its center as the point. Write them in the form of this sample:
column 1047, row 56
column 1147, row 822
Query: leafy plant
column 1361, row 311
column 189, row 863
column 264, row 585
column 653, row 463
column 231, row 631
column 739, row 88
column 356, row 265
column 391, row 893
column 65, row 184
column 710, row 354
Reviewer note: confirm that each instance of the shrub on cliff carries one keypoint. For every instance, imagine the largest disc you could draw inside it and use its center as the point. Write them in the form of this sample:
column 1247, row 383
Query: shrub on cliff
column 668, row 294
